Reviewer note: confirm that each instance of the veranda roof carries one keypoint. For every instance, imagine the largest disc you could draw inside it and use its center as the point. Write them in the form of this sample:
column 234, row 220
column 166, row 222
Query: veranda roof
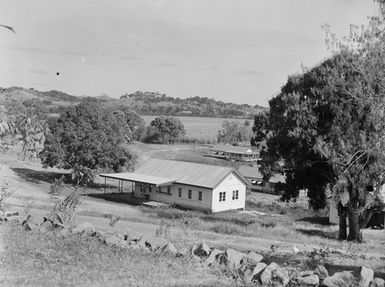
column 141, row 178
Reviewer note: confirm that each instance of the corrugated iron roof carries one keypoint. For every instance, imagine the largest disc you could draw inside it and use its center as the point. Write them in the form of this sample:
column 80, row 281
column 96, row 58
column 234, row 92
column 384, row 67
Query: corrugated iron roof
column 189, row 173
column 253, row 172
column 234, row 149
column 137, row 177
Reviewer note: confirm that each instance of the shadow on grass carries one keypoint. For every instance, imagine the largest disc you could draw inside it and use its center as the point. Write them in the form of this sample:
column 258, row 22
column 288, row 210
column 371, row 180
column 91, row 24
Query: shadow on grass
column 321, row 220
column 319, row 233
column 38, row 176
column 125, row 198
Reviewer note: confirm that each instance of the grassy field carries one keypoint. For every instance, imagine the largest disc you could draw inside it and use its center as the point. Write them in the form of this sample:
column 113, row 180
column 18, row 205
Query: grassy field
column 199, row 127
column 33, row 258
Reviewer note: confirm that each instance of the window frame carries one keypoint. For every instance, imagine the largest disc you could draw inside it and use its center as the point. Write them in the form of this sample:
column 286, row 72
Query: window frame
column 200, row 195
column 222, row 196
column 189, row 194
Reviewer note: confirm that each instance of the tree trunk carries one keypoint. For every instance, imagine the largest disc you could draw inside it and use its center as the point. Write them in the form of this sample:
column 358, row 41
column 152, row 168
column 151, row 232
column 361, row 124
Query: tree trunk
column 342, row 224
column 354, row 225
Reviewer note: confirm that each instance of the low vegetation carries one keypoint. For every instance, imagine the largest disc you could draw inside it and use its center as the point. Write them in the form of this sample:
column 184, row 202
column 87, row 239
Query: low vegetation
column 35, row 258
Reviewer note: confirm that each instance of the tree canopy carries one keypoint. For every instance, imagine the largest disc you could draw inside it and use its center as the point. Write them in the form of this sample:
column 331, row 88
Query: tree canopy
column 233, row 132
column 328, row 125
column 167, row 129
column 83, row 139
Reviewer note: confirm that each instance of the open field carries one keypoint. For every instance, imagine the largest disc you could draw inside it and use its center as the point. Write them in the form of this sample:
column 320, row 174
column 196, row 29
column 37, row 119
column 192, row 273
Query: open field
column 265, row 221
column 200, row 127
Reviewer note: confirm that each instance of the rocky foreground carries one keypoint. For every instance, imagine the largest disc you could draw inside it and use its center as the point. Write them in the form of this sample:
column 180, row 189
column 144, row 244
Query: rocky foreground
column 244, row 268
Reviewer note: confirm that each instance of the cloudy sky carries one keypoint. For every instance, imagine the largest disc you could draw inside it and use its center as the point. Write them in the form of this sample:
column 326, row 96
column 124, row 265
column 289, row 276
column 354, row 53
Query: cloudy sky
column 232, row 50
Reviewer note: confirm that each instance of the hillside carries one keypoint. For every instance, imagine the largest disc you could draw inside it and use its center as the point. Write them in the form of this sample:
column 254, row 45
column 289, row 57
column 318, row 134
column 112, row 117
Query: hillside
column 145, row 103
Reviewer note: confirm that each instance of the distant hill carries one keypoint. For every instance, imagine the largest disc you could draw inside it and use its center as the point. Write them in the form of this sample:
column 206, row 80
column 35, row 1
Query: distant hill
column 145, row 103
column 152, row 103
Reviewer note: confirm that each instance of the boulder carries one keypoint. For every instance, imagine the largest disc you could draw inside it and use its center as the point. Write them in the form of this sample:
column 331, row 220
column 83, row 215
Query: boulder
column 322, row 272
column 183, row 252
column 202, row 250
column 11, row 213
column 169, row 248
column 366, row 276
column 310, row 280
column 340, row 279
column 220, row 263
column 142, row 243
column 266, row 275
column 213, row 255
column 115, row 240
column 280, row 277
column 253, row 258
column 377, row 282
column 306, row 273
column 234, row 257
column 155, row 243
column 84, row 228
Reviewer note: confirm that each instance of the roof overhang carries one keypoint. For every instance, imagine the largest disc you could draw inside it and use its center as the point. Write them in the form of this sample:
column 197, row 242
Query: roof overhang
column 140, row 178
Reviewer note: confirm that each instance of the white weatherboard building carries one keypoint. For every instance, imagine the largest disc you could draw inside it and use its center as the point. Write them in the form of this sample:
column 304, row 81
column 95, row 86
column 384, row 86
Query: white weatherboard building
column 189, row 185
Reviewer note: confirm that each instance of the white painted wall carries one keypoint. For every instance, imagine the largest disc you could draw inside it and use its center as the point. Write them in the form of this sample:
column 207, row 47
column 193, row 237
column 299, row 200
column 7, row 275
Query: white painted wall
column 230, row 183
column 184, row 201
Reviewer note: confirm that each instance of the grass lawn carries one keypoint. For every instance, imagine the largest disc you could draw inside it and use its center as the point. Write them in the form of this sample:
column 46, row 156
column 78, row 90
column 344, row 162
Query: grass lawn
column 49, row 259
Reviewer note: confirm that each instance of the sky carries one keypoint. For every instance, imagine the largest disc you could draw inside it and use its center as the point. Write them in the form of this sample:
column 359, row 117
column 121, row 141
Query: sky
column 238, row 51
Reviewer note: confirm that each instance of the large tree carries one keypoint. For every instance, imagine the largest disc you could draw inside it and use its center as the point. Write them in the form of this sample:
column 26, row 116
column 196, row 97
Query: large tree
column 233, row 132
column 328, row 126
column 168, row 129
column 83, row 139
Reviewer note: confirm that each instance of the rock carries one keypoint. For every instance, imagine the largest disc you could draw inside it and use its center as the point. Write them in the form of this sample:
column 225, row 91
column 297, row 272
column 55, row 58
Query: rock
column 64, row 232
column 142, row 243
column 257, row 271
column 366, row 276
column 183, row 252
column 377, row 282
column 11, row 213
column 234, row 257
column 266, row 275
column 306, row 273
column 155, row 243
column 115, row 240
column 169, row 248
column 322, row 272
column 310, row 280
column 202, row 250
column 84, row 228
column 340, row 279
column 253, row 258
column 213, row 255
column 280, row 277
column 45, row 226
column 220, row 263
column 26, row 226
column 26, row 223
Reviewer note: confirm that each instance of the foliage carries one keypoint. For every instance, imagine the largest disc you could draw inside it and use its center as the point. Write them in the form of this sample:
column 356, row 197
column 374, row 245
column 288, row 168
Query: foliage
column 83, row 139
column 64, row 209
column 57, row 186
column 168, row 129
column 321, row 256
column 328, row 124
column 134, row 125
column 233, row 132
column 5, row 193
